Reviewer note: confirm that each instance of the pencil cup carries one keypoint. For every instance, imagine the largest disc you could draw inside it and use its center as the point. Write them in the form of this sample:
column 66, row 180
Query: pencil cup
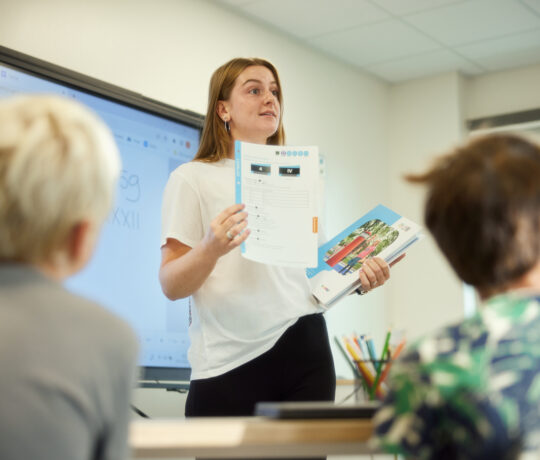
column 372, row 372
column 361, row 391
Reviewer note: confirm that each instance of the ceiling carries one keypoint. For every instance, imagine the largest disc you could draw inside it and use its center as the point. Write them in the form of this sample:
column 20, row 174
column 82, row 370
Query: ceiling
column 398, row 40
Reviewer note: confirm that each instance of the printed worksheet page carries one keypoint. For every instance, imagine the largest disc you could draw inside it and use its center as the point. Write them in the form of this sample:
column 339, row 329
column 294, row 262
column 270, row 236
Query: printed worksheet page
column 279, row 185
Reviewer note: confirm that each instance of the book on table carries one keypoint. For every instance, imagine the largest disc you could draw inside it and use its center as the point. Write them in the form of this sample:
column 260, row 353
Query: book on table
column 379, row 233
column 316, row 410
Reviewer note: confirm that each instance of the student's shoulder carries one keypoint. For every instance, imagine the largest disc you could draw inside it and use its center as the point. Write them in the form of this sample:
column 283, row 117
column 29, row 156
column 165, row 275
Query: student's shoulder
column 100, row 325
column 459, row 338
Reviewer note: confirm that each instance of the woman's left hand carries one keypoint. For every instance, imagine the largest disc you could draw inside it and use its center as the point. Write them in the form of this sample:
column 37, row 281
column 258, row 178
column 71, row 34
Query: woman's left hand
column 374, row 273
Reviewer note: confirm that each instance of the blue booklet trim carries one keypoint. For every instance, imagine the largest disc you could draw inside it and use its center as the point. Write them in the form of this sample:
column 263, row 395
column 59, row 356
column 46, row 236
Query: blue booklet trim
column 379, row 212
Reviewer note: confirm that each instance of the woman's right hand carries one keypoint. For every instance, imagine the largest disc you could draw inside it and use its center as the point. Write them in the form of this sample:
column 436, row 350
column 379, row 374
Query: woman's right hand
column 227, row 231
column 184, row 269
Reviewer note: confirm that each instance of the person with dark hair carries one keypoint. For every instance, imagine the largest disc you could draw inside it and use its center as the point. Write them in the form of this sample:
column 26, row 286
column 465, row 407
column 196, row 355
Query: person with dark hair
column 256, row 334
column 472, row 390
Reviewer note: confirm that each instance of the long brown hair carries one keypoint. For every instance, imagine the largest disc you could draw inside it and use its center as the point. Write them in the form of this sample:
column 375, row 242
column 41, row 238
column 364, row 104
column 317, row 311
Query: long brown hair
column 215, row 140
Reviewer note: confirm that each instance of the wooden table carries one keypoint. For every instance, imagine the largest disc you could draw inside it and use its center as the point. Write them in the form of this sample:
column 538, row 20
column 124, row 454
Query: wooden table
column 248, row 437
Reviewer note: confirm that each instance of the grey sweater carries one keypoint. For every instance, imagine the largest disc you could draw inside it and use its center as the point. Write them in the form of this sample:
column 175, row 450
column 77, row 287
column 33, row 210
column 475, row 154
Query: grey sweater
column 66, row 375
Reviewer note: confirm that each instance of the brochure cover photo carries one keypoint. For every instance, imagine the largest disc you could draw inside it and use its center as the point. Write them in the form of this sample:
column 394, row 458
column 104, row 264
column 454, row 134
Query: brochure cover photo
column 381, row 232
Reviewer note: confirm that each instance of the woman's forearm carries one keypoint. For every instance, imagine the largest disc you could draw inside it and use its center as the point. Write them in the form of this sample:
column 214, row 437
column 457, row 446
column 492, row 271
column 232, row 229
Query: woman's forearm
column 182, row 276
column 184, row 269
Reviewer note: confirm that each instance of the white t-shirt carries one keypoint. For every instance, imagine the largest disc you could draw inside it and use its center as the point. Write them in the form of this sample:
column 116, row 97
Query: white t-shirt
column 243, row 307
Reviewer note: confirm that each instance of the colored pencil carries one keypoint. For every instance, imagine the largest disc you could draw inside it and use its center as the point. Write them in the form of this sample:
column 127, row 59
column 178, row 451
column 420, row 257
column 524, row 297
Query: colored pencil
column 380, row 364
column 368, row 376
column 396, row 353
column 354, row 369
column 385, row 351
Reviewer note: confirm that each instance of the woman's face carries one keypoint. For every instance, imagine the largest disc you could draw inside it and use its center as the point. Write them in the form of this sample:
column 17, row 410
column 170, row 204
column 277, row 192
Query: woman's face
column 253, row 108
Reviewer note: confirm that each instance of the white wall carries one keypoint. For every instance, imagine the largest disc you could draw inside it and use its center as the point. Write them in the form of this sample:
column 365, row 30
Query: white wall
column 425, row 118
column 503, row 92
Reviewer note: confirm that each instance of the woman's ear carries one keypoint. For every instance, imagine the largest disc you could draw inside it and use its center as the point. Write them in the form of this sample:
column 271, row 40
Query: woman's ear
column 223, row 110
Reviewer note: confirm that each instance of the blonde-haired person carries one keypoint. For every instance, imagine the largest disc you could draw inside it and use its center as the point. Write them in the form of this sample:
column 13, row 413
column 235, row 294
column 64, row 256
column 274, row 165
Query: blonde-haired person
column 256, row 332
column 67, row 364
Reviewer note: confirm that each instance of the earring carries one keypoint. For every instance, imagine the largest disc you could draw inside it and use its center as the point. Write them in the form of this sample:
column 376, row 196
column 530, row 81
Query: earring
column 227, row 126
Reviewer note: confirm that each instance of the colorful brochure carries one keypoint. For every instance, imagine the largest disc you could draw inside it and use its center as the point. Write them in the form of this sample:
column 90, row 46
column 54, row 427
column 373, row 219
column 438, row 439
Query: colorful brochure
column 279, row 186
column 381, row 232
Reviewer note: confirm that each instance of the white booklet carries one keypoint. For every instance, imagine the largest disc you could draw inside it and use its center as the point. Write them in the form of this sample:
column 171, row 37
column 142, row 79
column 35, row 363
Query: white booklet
column 279, row 186
column 381, row 232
